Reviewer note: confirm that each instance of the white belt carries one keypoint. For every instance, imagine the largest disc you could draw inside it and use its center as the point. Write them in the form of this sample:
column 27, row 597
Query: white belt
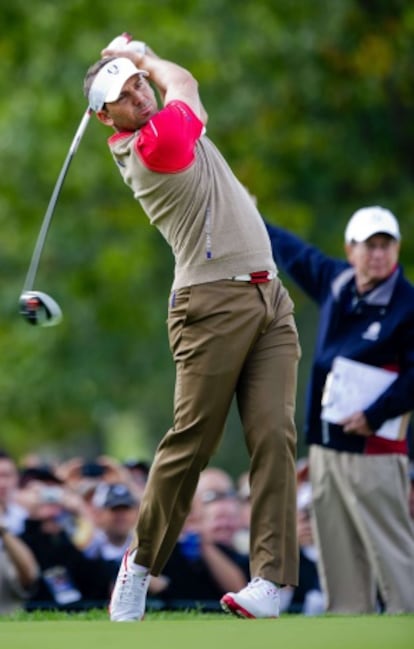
column 257, row 277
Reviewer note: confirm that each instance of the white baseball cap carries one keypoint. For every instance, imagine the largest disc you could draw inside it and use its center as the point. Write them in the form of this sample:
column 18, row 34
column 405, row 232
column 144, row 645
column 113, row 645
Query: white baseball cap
column 367, row 221
column 109, row 81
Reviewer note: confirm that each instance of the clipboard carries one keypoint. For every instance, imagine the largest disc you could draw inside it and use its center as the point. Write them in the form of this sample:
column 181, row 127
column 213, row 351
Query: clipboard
column 351, row 386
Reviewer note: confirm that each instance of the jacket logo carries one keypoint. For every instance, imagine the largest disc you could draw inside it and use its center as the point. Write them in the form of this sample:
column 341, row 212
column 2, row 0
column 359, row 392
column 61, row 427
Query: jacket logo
column 373, row 331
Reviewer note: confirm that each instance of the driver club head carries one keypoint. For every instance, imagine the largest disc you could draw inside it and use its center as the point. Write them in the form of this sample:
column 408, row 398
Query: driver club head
column 40, row 309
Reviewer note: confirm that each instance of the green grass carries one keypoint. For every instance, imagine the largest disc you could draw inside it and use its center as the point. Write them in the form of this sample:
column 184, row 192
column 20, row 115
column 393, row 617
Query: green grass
column 192, row 630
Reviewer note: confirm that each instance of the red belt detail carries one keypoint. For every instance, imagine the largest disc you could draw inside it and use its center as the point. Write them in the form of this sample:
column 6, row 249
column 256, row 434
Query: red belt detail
column 259, row 277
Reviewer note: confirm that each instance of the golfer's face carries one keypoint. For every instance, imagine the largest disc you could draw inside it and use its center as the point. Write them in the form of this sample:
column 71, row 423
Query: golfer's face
column 135, row 105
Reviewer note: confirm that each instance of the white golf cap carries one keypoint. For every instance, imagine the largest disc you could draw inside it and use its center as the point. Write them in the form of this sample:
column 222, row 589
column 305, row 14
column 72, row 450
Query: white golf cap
column 109, row 81
column 367, row 221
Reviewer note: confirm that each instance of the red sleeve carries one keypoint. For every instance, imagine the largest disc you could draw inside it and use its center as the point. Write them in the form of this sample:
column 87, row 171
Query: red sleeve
column 166, row 144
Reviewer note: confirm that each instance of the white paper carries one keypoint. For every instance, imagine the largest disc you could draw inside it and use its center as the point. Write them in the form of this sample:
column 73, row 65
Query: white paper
column 352, row 386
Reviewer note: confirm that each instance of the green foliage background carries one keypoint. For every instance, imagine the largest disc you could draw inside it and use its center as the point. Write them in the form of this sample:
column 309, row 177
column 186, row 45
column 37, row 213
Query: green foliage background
column 310, row 102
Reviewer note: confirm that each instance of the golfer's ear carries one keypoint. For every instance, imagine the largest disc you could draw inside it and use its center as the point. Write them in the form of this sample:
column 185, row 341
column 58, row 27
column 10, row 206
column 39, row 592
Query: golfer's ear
column 104, row 117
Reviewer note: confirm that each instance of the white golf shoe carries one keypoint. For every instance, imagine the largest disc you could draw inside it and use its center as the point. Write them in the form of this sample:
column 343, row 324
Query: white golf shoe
column 259, row 599
column 130, row 591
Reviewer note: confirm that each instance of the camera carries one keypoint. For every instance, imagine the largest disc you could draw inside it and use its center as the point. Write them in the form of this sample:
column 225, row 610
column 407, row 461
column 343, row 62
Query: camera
column 52, row 495
column 92, row 470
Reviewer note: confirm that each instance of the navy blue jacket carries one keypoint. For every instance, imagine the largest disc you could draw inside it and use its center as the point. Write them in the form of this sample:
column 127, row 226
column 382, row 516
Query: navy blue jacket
column 377, row 329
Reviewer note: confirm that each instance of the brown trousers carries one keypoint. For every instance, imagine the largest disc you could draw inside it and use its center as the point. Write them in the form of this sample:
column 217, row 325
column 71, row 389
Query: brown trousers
column 229, row 338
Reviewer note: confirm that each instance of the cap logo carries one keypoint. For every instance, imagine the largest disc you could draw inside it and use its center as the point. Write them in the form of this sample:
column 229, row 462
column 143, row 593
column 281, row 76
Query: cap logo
column 112, row 68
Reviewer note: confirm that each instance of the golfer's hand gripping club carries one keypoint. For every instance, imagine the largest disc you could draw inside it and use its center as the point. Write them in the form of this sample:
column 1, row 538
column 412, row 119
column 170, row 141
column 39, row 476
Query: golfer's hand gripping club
column 125, row 42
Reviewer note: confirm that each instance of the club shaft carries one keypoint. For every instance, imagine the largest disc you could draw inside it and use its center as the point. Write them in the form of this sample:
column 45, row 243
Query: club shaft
column 34, row 263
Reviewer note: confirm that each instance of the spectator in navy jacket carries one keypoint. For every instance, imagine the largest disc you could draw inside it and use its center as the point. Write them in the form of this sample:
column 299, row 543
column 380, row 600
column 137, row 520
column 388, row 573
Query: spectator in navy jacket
column 359, row 478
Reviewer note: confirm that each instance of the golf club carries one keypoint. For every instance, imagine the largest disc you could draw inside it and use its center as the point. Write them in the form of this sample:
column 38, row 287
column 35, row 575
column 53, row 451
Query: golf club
column 36, row 307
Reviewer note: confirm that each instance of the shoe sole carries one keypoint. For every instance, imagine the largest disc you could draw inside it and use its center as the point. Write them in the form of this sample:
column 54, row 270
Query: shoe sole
column 131, row 619
column 229, row 605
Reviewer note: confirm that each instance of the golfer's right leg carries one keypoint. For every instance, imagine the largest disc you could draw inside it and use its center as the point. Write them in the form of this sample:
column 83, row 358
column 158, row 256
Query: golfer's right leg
column 208, row 356
column 201, row 327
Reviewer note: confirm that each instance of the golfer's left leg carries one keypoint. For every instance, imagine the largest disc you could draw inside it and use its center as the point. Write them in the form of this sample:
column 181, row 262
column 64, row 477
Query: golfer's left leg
column 266, row 396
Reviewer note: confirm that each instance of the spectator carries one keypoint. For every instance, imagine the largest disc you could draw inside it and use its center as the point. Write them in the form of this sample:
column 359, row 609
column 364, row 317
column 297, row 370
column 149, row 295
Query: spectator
column 68, row 580
column 213, row 484
column 115, row 509
column 42, row 474
column 220, row 515
column 18, row 567
column 84, row 476
column 231, row 326
column 13, row 514
column 220, row 511
column 44, row 482
column 359, row 478
column 18, row 572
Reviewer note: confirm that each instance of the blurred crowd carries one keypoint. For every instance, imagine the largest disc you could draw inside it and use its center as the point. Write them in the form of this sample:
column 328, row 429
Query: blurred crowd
column 64, row 528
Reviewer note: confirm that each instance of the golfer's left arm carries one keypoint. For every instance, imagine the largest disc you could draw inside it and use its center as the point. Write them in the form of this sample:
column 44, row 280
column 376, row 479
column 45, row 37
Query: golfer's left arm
column 172, row 81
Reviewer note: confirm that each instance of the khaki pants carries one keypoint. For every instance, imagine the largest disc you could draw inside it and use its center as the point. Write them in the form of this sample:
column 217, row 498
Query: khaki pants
column 363, row 530
column 229, row 338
